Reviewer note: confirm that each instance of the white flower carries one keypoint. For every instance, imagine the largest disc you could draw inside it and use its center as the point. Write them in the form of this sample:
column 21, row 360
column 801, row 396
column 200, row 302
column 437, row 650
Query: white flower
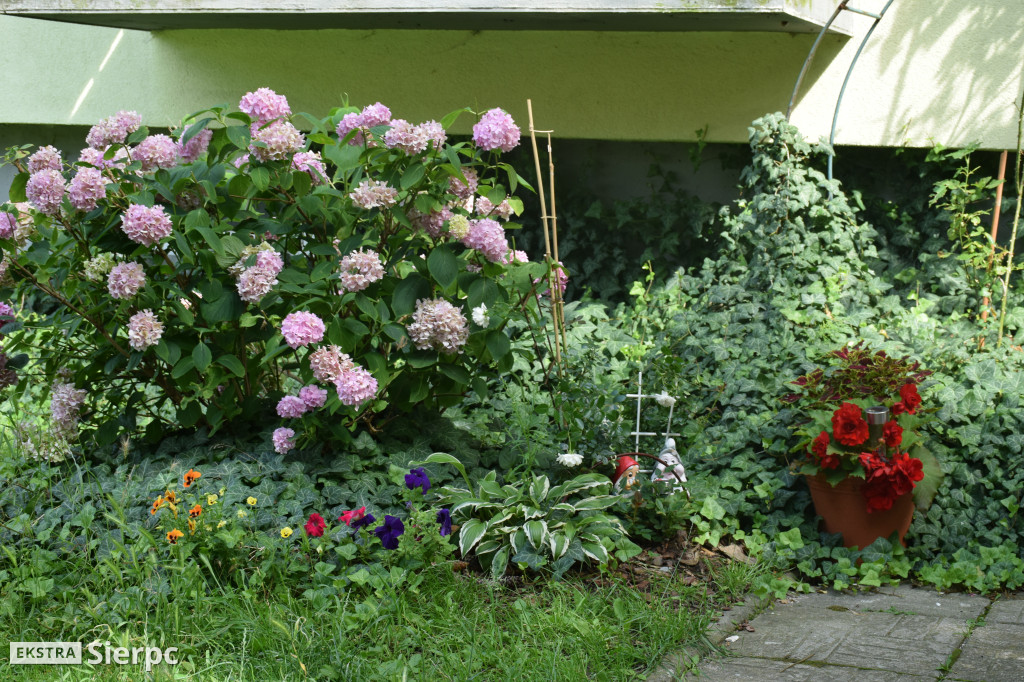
column 480, row 316
column 570, row 459
column 664, row 399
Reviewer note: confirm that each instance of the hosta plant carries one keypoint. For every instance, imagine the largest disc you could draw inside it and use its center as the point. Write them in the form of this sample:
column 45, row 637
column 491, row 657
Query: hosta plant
column 244, row 267
column 534, row 524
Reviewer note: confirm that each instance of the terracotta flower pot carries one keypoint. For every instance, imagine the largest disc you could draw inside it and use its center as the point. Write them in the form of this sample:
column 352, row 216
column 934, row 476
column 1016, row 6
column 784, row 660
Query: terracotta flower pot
column 843, row 509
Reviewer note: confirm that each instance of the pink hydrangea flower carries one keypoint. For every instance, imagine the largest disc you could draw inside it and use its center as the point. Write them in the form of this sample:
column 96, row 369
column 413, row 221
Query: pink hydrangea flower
column 255, row 283
column 113, row 129
column 359, row 269
column 405, row 136
column 45, row 158
column 125, row 280
column 487, row 237
column 496, row 130
column 431, row 223
column 313, row 396
column 328, row 363
column 195, row 147
column 156, row 151
column 283, row 440
column 371, row 116
column 434, row 132
column 94, row 157
column 485, row 208
column 355, row 386
column 45, row 190
column 374, row 194
column 6, row 312
column 145, row 225
column 264, row 105
column 144, row 330
column 281, row 140
column 347, row 124
column 8, row 224
column 561, row 276
column 65, row 400
column 291, row 407
column 311, row 163
column 516, row 257
column 439, row 325
column 302, row 328
column 465, row 190
column 86, row 188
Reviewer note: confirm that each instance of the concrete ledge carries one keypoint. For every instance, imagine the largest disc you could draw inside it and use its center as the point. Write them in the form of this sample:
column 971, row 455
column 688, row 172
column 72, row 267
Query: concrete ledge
column 789, row 16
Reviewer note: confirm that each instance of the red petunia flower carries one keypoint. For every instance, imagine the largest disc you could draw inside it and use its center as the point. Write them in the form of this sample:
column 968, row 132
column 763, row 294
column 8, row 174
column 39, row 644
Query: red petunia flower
column 350, row 516
column 911, row 399
column 315, row 526
column 893, row 434
column 848, row 426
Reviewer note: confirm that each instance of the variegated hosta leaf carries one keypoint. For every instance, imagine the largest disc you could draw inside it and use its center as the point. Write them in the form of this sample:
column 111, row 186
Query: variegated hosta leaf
column 559, row 544
column 596, row 551
column 488, row 546
column 581, row 482
column 499, row 563
column 501, row 517
column 539, row 489
column 491, row 489
column 470, row 533
column 536, row 532
column 595, row 503
column 562, row 507
column 469, row 506
column 518, row 540
column 531, row 512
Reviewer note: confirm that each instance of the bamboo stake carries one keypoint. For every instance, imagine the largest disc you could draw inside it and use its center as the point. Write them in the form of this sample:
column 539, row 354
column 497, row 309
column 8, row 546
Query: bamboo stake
column 995, row 228
column 1019, row 181
column 556, row 292
column 547, row 235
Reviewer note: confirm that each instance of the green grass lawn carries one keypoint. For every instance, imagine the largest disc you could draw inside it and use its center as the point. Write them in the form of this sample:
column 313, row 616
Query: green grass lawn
column 95, row 577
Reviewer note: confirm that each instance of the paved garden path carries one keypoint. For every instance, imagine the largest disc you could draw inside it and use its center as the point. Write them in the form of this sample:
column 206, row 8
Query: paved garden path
column 899, row 634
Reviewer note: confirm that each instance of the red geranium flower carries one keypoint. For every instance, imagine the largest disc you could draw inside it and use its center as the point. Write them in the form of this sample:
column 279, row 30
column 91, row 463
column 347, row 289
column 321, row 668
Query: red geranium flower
column 848, row 425
column 893, row 434
column 820, row 445
column 898, row 409
column 911, row 399
column 315, row 526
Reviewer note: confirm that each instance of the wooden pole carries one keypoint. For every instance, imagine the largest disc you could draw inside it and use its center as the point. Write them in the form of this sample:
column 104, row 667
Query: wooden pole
column 547, row 235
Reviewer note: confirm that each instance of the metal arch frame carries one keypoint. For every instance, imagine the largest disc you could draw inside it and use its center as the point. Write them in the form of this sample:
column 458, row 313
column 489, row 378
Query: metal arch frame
column 810, row 56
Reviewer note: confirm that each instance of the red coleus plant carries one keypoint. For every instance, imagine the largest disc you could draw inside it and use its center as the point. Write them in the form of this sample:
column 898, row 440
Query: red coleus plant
column 836, row 438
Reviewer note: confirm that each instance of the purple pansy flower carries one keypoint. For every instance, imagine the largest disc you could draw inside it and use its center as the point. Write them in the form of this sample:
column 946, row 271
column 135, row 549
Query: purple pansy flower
column 417, row 478
column 390, row 531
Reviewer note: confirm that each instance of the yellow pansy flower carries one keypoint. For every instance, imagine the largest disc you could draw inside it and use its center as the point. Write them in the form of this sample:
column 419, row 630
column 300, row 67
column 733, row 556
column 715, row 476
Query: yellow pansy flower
column 251, row 501
column 286, row 532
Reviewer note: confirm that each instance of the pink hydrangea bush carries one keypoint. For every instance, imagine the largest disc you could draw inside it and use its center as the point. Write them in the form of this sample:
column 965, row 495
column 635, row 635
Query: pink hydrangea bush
column 265, row 281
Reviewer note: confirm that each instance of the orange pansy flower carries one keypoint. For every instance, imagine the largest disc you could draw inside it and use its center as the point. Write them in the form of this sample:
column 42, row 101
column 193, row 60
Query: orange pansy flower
column 190, row 477
column 171, row 496
column 195, row 511
column 173, row 536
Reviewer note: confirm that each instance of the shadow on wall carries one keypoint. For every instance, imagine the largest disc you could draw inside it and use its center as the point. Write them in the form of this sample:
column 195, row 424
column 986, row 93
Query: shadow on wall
column 977, row 58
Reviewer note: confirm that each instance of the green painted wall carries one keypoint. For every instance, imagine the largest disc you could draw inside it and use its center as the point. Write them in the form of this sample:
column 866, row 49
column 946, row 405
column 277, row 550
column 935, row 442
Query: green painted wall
column 940, row 71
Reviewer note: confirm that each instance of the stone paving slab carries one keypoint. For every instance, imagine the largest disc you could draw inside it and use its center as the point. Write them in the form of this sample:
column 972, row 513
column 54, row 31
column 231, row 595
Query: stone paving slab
column 993, row 653
column 899, row 643
column 1007, row 611
column 901, row 599
column 763, row 670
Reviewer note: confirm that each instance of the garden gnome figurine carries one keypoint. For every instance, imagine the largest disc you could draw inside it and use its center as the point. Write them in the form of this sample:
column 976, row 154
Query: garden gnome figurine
column 625, row 474
column 672, row 467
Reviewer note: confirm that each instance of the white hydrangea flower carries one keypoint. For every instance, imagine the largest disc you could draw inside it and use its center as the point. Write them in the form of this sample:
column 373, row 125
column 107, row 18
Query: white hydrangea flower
column 570, row 459
column 480, row 316
column 664, row 399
